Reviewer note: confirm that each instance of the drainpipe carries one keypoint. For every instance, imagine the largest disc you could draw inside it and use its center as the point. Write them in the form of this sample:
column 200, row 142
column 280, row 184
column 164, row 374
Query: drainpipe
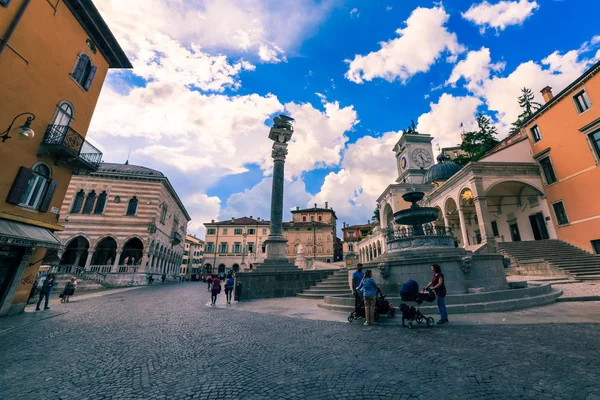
column 13, row 25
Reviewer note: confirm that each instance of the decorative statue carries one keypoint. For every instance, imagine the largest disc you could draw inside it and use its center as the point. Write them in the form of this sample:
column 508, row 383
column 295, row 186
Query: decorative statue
column 384, row 270
column 300, row 249
column 283, row 122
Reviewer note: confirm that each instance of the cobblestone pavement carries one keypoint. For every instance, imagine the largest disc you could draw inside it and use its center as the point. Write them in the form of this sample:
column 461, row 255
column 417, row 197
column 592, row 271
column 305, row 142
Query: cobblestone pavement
column 571, row 289
column 163, row 342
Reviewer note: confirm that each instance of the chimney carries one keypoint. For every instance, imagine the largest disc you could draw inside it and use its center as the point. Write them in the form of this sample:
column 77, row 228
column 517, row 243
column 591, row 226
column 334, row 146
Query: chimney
column 297, row 208
column 258, row 219
column 212, row 221
column 344, row 224
column 326, row 205
column 547, row 94
column 232, row 219
column 251, row 217
column 315, row 205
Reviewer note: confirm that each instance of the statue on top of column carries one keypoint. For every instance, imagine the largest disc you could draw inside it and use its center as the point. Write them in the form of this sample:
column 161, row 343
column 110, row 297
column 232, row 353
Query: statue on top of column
column 283, row 122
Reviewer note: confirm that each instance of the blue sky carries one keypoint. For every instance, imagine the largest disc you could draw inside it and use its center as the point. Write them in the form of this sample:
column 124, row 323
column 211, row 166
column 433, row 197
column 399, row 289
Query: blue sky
column 210, row 74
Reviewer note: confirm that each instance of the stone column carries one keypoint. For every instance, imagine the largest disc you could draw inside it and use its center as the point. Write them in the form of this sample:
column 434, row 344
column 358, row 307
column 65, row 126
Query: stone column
column 77, row 259
column 142, row 267
column 463, row 227
column 446, row 223
column 485, row 225
column 276, row 259
column 88, row 261
column 115, row 267
column 151, row 262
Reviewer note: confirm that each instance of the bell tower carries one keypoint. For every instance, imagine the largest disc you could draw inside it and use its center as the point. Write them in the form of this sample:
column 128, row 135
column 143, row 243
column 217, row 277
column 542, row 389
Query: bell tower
column 414, row 156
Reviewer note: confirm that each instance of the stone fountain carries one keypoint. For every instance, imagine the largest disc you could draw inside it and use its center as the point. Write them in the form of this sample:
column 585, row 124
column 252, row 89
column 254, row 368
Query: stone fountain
column 475, row 282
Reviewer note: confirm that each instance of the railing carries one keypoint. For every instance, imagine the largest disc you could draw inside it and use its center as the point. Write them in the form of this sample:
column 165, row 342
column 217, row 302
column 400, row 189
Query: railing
column 105, row 269
column 79, row 272
column 402, row 232
column 64, row 140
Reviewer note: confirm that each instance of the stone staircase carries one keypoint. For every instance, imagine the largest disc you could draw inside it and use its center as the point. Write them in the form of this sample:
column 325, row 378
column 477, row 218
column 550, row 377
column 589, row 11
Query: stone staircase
column 333, row 285
column 573, row 261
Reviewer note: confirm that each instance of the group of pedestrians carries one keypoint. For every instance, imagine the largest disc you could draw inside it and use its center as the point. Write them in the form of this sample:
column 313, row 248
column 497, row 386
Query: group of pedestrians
column 46, row 290
column 365, row 289
column 214, row 286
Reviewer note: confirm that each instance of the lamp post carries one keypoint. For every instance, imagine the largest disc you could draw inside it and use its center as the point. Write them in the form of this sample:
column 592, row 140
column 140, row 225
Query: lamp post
column 23, row 132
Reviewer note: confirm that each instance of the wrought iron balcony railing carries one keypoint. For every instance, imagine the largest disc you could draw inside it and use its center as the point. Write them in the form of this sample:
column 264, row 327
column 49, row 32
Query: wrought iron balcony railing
column 70, row 147
column 176, row 238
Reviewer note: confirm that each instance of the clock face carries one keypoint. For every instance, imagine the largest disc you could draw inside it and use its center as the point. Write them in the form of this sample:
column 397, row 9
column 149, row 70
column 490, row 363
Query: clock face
column 421, row 158
column 403, row 163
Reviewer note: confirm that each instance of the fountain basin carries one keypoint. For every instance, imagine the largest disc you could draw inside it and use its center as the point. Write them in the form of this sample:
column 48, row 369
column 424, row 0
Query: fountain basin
column 416, row 216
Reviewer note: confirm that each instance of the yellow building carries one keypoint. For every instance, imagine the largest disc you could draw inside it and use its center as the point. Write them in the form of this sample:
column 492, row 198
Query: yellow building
column 54, row 57
column 193, row 254
column 239, row 242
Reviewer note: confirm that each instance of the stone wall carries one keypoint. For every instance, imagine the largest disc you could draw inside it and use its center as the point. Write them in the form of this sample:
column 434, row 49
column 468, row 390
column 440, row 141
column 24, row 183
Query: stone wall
column 266, row 285
column 536, row 268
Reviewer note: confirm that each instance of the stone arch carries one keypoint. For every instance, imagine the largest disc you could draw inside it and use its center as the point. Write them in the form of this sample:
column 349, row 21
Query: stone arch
column 222, row 268
column 100, row 239
column 387, row 216
column 76, row 252
column 132, row 251
column 105, row 251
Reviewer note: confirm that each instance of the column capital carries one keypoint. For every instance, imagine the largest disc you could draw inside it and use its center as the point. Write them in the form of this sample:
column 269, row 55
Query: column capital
column 279, row 151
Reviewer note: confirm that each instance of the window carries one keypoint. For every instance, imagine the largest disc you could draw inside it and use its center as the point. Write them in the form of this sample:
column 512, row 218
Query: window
column 495, row 228
column 237, row 231
column 251, row 231
column 237, row 247
column 595, row 139
column 78, row 202
column 264, row 231
column 351, row 234
column 303, row 218
column 535, row 134
column 83, row 71
column 350, row 247
column 163, row 214
column 297, row 229
column 561, row 213
column 100, row 203
column 223, row 247
column 251, row 247
column 209, row 248
column 596, row 246
column 175, row 224
column 89, row 202
column 582, row 101
column 211, row 231
column 132, row 206
column 309, row 229
column 36, row 186
column 5, row 3
column 548, row 170
column 320, row 218
column 224, row 231
column 312, row 218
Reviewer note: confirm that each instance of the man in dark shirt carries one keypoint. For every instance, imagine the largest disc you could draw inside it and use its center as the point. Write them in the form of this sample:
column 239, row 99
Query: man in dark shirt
column 45, row 292
column 357, row 278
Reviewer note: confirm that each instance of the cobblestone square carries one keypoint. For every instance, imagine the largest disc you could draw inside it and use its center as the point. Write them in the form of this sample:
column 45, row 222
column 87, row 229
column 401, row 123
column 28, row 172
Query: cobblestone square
column 163, row 342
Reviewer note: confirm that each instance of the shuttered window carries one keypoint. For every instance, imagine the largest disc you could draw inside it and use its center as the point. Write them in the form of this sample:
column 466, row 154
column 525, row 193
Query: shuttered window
column 100, row 203
column 89, row 202
column 78, row 202
column 19, row 185
column 84, row 72
column 5, row 3
column 36, row 187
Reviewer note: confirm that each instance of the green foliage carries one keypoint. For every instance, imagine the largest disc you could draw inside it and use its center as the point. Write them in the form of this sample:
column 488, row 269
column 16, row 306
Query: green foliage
column 375, row 214
column 528, row 108
column 477, row 143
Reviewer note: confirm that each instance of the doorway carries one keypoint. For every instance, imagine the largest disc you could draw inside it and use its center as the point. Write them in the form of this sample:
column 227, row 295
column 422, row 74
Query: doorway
column 10, row 259
column 538, row 226
column 514, row 232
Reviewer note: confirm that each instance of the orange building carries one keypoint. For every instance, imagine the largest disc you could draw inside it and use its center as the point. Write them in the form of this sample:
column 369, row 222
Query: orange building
column 54, row 57
column 565, row 139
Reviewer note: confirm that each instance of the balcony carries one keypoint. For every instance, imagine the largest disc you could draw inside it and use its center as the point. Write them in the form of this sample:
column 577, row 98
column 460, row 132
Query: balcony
column 70, row 147
column 176, row 238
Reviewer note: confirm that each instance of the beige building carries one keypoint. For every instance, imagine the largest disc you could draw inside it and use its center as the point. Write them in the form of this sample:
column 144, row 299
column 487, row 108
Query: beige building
column 239, row 242
column 122, row 219
column 193, row 255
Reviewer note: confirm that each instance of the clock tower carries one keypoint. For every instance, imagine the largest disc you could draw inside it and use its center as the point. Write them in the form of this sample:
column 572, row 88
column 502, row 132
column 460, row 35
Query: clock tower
column 414, row 156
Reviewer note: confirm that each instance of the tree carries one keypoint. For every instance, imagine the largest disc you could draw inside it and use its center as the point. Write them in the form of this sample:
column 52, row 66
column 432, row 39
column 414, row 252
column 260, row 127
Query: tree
column 528, row 108
column 477, row 143
column 375, row 214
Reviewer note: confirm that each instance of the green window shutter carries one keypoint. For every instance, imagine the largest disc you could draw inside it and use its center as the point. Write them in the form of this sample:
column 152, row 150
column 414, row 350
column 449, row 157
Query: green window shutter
column 90, row 78
column 45, row 204
column 19, row 186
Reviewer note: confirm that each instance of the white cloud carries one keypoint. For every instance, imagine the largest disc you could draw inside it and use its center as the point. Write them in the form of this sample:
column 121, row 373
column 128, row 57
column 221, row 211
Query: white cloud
column 262, row 27
column 475, row 69
column 388, row 8
column 419, row 45
column 444, row 119
column 354, row 13
column 256, row 201
column 367, row 168
column 201, row 208
column 500, row 15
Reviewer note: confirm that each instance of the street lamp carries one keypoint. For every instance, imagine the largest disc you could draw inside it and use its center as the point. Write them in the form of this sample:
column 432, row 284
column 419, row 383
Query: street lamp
column 23, row 132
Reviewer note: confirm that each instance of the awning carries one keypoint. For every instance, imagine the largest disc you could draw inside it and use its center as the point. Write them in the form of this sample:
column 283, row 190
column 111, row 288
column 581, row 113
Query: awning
column 18, row 234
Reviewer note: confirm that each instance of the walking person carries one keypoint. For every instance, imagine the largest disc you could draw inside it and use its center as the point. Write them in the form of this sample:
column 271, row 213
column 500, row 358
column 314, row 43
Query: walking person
column 69, row 290
column 229, row 287
column 437, row 284
column 370, row 289
column 45, row 292
column 216, row 289
column 357, row 278
column 209, row 280
column 163, row 277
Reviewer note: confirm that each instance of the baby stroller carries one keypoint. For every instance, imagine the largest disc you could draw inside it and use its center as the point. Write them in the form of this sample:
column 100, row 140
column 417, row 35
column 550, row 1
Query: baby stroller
column 382, row 306
column 410, row 292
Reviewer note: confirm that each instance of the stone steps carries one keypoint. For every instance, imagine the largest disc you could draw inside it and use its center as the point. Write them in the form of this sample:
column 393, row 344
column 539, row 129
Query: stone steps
column 569, row 259
column 335, row 284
